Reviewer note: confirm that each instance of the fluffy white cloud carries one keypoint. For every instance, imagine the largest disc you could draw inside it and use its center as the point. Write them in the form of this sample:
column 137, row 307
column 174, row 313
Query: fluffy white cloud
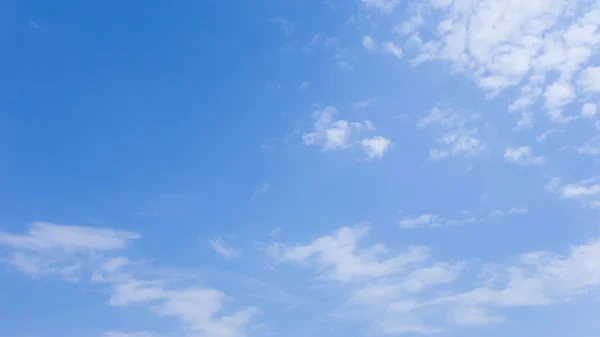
column 586, row 191
column 331, row 134
column 559, row 94
column 589, row 110
column 523, row 44
column 523, row 156
column 304, row 85
column 589, row 80
column 224, row 249
column 376, row 146
column 585, row 188
column 368, row 43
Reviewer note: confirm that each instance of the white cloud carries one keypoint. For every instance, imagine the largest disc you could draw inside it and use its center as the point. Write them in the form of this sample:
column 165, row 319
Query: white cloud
column 316, row 39
column 559, row 94
column 589, row 80
column 129, row 334
column 331, row 45
column 512, row 211
column 524, row 122
column 286, row 25
column 523, row 156
column 337, row 136
column 304, row 85
column 48, row 249
column 331, row 134
column 37, row 265
column 275, row 232
column 340, row 259
column 376, row 146
column 542, row 137
column 591, row 147
column 42, row 236
column 586, row 191
column 196, row 307
column 431, row 221
column 412, row 23
column 261, row 190
column 597, row 125
column 539, row 47
column 386, row 6
column 224, row 249
column 496, row 212
column 392, row 297
column 553, row 184
column 583, row 189
column 589, row 110
column 457, row 143
column 368, row 43
column 393, row 49
column 458, row 138
column 425, row 220
column 518, row 210
column 364, row 103
column 70, row 252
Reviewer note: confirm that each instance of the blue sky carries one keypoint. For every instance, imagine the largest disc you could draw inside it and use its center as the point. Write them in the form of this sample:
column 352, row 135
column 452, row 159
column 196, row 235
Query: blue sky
column 294, row 168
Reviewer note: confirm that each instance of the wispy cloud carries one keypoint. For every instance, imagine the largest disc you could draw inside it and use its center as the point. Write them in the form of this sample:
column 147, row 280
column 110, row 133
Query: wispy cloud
column 459, row 134
column 261, row 190
column 197, row 308
column 224, row 249
column 523, row 155
column 392, row 291
column 129, row 334
column 364, row 103
column 285, row 24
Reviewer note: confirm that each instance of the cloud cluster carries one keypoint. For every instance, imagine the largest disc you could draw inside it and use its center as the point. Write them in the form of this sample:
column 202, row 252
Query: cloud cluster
column 431, row 221
column 64, row 251
column 459, row 134
column 523, row 155
column 330, row 134
column 542, row 48
column 408, row 293
column 71, row 252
